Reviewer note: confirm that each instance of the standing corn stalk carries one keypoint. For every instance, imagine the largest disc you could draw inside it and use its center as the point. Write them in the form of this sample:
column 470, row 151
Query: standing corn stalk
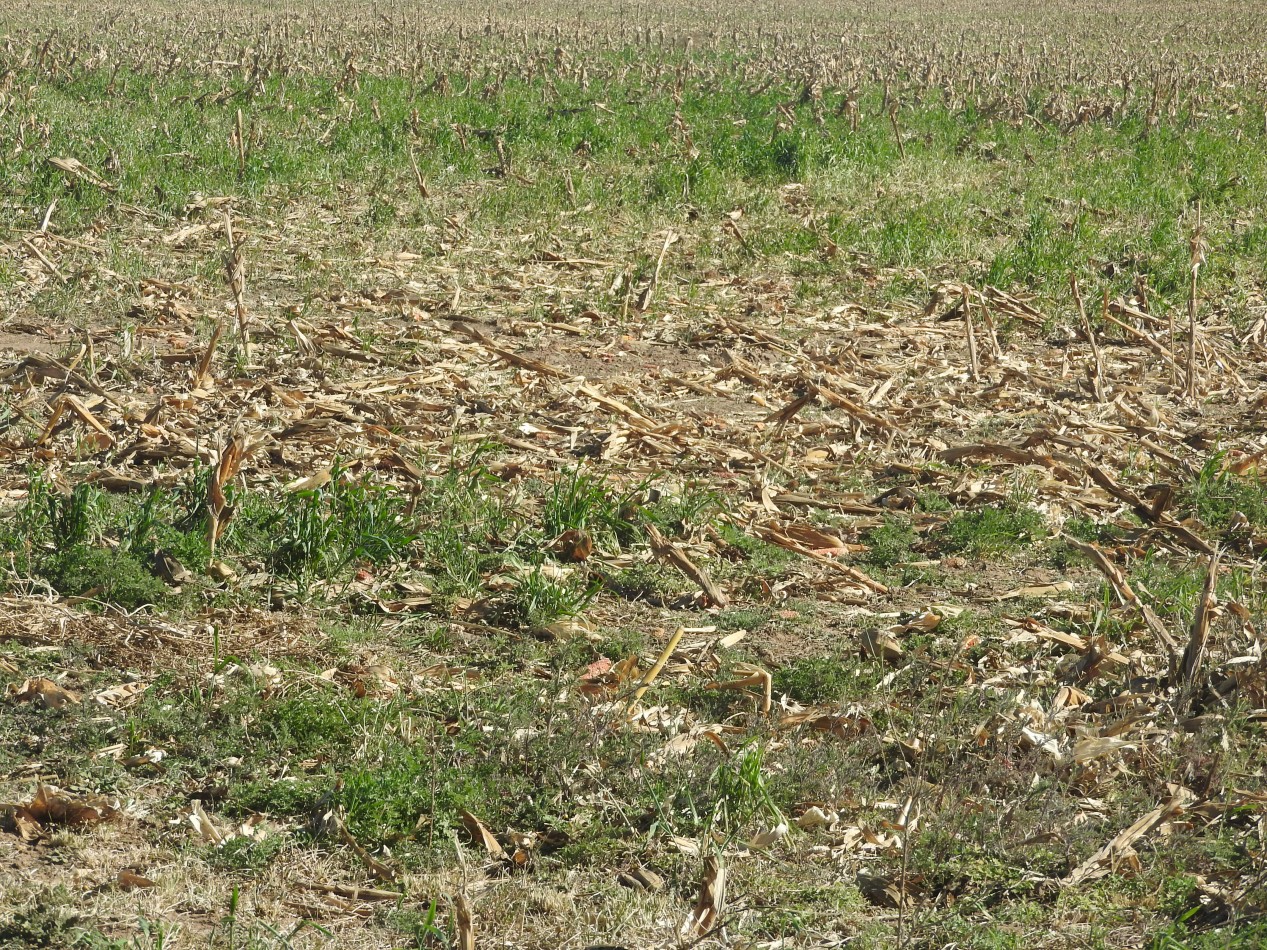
column 239, row 141
column 897, row 132
column 1096, row 372
column 227, row 467
column 1196, row 250
column 235, row 273
column 974, row 362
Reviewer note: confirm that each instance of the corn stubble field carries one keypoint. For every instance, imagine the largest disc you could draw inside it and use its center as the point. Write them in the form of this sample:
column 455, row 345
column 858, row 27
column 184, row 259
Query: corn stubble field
column 633, row 475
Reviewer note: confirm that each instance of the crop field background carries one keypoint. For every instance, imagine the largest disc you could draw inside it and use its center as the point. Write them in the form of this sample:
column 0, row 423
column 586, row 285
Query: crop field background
column 633, row 475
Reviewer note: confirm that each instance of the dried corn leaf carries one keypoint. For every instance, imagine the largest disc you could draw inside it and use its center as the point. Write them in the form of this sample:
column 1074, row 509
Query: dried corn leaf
column 40, row 689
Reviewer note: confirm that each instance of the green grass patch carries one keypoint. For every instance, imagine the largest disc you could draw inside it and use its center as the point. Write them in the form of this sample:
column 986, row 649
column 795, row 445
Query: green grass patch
column 811, row 680
column 890, row 543
column 323, row 531
column 993, row 530
column 1221, row 499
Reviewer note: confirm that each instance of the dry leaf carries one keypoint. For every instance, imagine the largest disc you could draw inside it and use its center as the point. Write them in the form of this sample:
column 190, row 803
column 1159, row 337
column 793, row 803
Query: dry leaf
column 751, row 676
column 150, row 756
column 309, row 482
column 118, row 697
column 202, row 825
column 881, row 891
column 926, row 622
column 602, row 677
column 706, row 915
column 1038, row 590
column 642, row 879
column 687, row 846
column 815, row 817
column 1088, row 750
column 882, row 645
column 51, row 807
column 573, row 546
column 128, row 881
column 479, row 831
column 44, row 691
column 848, row 724
column 1105, row 861
column 219, row 571
column 817, row 540
column 170, row 570
column 774, row 535
column 766, row 839
column 569, row 628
